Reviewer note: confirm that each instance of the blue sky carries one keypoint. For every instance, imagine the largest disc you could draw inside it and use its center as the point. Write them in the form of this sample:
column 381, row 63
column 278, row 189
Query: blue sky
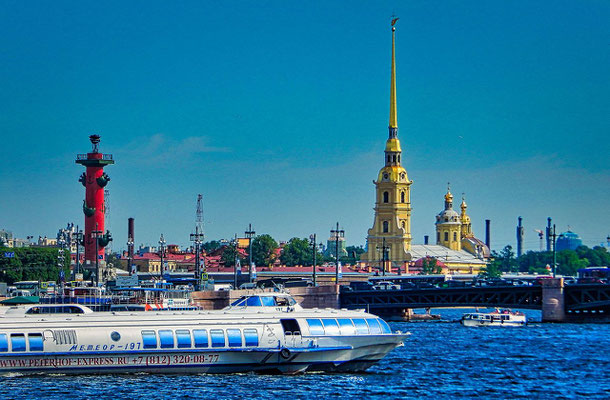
column 277, row 113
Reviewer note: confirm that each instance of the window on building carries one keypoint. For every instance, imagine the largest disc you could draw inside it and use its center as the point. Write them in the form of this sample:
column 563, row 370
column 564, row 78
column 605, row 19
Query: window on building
column 404, row 225
column 183, row 336
column 394, row 158
column 3, row 342
column 218, row 337
column 403, row 176
column 166, row 337
column 446, row 236
column 17, row 341
column 361, row 327
column 402, row 197
column 35, row 341
column 149, row 339
column 386, row 226
column 251, row 336
column 201, row 337
column 315, row 327
column 386, row 197
column 234, row 336
column 454, row 235
column 438, row 236
column 389, row 158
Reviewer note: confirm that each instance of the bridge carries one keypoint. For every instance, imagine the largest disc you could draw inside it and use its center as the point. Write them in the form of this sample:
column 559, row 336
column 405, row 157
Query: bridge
column 558, row 303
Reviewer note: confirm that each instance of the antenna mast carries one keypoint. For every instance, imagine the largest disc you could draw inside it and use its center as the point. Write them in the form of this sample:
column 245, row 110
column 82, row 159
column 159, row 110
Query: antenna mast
column 199, row 218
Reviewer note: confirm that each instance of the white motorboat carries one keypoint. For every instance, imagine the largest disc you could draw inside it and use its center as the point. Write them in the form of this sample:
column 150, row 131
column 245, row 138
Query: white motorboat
column 498, row 317
column 264, row 332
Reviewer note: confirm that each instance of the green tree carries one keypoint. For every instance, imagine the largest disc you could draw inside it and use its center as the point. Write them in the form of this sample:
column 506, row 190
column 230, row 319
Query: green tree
column 263, row 249
column 430, row 265
column 297, row 252
column 228, row 256
column 353, row 254
column 32, row 264
column 211, row 246
column 505, row 260
column 568, row 262
column 491, row 271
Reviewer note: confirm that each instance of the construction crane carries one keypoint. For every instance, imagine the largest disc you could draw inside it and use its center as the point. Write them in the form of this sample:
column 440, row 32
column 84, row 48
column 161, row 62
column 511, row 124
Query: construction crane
column 541, row 236
column 197, row 239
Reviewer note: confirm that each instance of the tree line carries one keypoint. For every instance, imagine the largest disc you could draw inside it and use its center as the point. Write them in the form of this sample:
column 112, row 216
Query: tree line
column 32, row 264
column 535, row 262
column 296, row 251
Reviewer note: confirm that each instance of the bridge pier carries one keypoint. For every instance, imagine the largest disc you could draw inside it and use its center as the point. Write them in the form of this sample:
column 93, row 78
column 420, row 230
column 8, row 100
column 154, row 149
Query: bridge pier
column 553, row 300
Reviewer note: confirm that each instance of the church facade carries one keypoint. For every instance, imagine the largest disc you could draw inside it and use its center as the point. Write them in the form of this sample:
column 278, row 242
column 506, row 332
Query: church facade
column 389, row 244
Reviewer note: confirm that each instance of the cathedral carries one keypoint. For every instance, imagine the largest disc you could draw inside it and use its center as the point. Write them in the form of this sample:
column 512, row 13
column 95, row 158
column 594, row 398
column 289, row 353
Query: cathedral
column 389, row 245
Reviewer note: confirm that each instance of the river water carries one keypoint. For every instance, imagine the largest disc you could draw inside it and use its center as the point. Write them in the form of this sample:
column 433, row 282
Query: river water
column 440, row 360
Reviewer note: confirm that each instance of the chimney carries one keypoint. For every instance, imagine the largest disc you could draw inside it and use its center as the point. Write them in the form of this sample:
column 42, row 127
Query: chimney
column 520, row 238
column 426, row 237
column 488, row 234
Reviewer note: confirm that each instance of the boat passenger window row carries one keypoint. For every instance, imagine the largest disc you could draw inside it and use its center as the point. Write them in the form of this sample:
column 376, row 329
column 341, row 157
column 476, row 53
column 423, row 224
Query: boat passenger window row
column 199, row 338
column 18, row 342
column 347, row 326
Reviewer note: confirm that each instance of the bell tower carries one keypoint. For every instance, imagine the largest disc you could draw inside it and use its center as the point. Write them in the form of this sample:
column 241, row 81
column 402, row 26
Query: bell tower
column 391, row 231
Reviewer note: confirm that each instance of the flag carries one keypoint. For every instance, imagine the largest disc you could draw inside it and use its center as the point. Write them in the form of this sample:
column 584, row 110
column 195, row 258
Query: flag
column 394, row 21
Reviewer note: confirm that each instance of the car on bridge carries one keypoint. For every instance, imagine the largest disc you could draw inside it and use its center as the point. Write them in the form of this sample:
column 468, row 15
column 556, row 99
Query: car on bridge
column 386, row 285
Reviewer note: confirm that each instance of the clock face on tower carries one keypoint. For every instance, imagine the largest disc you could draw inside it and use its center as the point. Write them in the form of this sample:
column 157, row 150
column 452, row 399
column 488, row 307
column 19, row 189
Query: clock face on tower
column 386, row 176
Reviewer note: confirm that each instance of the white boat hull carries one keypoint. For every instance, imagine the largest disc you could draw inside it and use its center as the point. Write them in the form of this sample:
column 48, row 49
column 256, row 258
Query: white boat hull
column 285, row 360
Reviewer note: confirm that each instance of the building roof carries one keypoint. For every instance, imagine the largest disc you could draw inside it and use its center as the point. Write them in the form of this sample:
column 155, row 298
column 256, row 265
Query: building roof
column 443, row 254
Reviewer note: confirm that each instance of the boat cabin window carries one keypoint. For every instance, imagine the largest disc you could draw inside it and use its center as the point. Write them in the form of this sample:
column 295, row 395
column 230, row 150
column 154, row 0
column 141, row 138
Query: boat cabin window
column 282, row 301
column 3, row 342
column 201, row 337
column 17, row 341
column 291, row 326
column 149, row 339
column 55, row 310
column 385, row 328
column 35, row 341
column 218, row 337
column 346, row 326
column 315, row 327
column 234, row 336
column 167, row 339
column 239, row 302
column 374, row 326
column 251, row 336
column 183, row 337
column 330, row 326
column 268, row 301
column 361, row 327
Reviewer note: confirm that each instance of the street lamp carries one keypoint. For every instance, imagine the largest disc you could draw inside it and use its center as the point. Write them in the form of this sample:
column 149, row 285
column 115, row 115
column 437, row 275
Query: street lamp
column 95, row 235
column 384, row 255
column 197, row 238
column 337, row 233
column 554, row 236
column 249, row 234
column 161, row 250
column 78, row 236
column 130, row 255
column 234, row 243
column 314, row 250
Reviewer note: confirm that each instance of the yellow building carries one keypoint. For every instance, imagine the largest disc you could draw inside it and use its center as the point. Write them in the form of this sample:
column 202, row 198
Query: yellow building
column 392, row 225
column 391, row 231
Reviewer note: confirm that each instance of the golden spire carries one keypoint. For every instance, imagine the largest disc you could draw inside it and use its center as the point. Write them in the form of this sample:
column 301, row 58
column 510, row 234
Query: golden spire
column 393, row 118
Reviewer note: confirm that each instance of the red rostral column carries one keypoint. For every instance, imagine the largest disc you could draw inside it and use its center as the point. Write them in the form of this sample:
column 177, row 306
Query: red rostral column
column 94, row 180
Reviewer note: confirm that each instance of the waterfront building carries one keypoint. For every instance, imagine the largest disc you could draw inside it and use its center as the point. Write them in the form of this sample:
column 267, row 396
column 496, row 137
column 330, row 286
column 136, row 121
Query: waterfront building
column 390, row 236
column 331, row 245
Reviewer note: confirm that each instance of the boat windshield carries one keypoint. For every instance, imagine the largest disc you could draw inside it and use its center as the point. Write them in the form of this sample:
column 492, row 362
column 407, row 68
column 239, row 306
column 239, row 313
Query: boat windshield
column 264, row 301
